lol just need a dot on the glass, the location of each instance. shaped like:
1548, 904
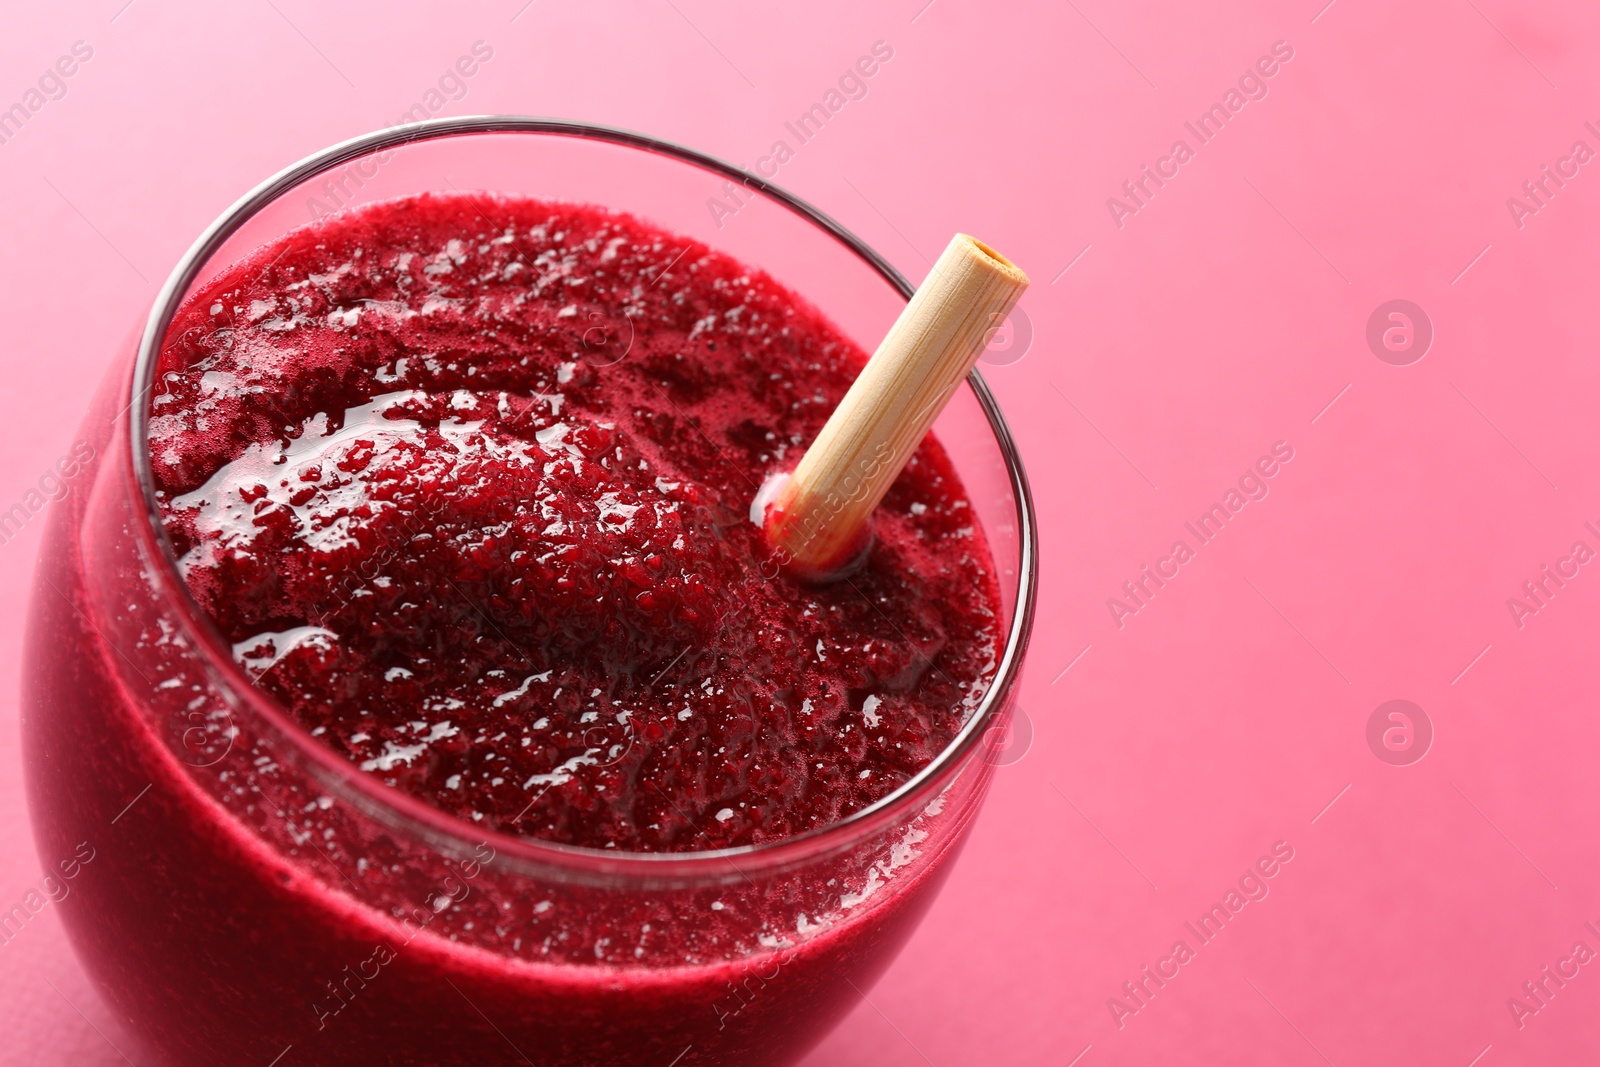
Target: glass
250, 895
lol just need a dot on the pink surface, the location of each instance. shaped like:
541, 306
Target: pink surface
1170, 353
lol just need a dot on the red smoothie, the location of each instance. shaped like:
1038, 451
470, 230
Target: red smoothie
466, 482
527, 588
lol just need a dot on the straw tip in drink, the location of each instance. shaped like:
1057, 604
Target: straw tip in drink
801, 546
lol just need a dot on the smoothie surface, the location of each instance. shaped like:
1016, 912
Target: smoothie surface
466, 480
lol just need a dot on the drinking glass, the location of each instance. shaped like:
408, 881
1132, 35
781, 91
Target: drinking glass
249, 897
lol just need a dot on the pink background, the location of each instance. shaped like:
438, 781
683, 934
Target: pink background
1222, 317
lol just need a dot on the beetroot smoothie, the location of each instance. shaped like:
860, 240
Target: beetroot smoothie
465, 483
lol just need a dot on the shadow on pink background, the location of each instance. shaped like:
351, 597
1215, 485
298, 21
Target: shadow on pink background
1218, 715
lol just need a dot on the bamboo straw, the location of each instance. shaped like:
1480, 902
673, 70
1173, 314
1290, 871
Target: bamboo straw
818, 520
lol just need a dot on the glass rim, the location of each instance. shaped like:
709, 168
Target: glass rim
405, 812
